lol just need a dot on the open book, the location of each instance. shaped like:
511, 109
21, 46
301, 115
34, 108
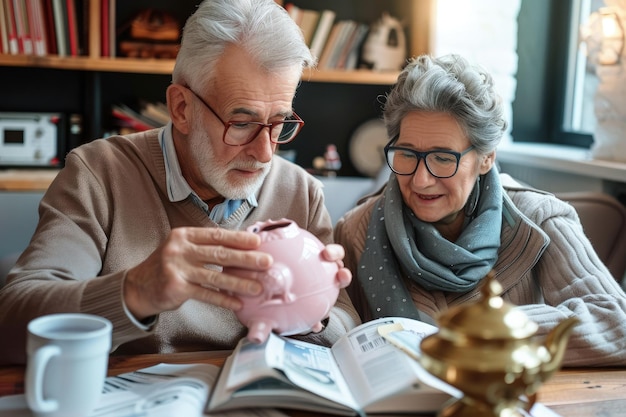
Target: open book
362, 373
369, 370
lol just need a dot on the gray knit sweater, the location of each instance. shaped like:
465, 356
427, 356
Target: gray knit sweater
566, 279
105, 212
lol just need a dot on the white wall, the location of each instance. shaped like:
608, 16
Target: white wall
484, 31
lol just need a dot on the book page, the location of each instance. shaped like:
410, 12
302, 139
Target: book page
362, 372
382, 377
281, 373
249, 363
312, 368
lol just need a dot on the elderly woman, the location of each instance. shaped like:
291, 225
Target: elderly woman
446, 217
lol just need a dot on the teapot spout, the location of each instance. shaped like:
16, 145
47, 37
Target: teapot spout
556, 343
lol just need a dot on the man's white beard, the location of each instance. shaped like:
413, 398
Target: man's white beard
242, 188
216, 173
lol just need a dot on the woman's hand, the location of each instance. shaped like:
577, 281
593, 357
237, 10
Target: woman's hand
335, 253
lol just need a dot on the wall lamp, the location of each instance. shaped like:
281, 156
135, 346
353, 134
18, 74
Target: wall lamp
603, 35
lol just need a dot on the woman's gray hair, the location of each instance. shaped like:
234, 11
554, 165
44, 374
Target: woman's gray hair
262, 27
449, 84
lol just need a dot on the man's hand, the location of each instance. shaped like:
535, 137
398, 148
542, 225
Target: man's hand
188, 265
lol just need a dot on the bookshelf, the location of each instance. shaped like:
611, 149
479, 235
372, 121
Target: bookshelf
90, 84
165, 67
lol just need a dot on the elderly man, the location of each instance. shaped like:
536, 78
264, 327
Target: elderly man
137, 228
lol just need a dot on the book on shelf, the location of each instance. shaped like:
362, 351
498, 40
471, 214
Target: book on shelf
93, 22
105, 30
11, 28
112, 33
294, 12
362, 373
148, 116
337, 41
4, 44
308, 23
126, 117
329, 45
22, 29
37, 24
306, 19
4, 35
60, 27
315, 25
157, 112
324, 25
50, 30
72, 27
349, 56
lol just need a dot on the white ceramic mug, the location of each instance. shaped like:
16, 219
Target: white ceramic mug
68, 355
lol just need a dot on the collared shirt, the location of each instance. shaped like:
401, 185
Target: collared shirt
178, 189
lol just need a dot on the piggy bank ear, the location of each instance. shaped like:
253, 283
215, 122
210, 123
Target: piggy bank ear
277, 284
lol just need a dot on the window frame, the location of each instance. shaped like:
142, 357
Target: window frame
544, 45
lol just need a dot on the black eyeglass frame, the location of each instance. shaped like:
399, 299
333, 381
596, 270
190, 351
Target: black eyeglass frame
260, 126
423, 155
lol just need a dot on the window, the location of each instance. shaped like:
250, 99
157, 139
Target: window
581, 81
554, 97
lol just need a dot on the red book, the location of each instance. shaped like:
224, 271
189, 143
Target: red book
104, 35
72, 27
36, 26
112, 33
48, 17
24, 42
129, 119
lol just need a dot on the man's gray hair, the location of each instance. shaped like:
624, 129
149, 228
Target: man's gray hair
262, 27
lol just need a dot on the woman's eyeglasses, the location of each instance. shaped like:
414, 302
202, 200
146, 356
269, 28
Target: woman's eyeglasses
440, 164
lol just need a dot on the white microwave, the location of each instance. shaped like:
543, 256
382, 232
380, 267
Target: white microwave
30, 139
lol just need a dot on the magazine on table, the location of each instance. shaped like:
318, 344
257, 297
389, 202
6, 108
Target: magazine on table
163, 390
362, 373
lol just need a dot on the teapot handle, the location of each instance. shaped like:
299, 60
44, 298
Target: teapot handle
530, 402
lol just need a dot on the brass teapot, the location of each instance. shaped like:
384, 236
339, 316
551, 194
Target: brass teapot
485, 350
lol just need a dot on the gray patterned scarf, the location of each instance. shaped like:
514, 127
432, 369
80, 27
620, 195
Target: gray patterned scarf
399, 244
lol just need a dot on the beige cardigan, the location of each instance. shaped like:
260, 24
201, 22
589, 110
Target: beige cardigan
567, 279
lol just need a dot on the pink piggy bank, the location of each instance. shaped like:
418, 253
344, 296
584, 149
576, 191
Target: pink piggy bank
299, 289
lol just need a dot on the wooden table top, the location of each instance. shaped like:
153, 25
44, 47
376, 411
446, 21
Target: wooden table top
589, 392
26, 179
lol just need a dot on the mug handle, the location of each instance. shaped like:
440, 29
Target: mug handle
35, 370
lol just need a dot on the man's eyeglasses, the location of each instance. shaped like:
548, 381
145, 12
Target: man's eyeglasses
239, 133
440, 164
